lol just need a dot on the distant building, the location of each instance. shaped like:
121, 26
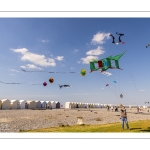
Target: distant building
38, 104
5, 104
53, 103
14, 104
31, 104
43, 104
0, 104
48, 105
23, 104
57, 104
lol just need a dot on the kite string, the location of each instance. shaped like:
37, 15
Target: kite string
110, 89
113, 80
115, 84
133, 81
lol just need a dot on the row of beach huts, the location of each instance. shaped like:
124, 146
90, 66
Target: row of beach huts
71, 105
6, 104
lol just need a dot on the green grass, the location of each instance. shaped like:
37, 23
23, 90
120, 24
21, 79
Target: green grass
135, 126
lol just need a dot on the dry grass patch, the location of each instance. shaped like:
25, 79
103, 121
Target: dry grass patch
98, 119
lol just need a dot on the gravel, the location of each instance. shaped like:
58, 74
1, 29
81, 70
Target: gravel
16, 120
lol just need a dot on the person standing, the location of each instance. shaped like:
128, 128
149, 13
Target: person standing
138, 109
112, 108
124, 118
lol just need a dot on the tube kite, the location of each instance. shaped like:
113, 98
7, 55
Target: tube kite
105, 63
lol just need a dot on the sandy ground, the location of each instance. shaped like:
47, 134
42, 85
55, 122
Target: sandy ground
15, 120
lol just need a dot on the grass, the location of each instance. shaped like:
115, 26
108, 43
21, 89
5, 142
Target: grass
136, 126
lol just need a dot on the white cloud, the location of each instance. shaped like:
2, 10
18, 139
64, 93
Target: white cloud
100, 37
45, 41
97, 51
142, 90
71, 68
37, 59
60, 58
75, 51
14, 70
106, 73
31, 66
23, 67
78, 62
87, 59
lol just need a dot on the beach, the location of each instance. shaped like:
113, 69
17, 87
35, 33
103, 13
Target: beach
19, 120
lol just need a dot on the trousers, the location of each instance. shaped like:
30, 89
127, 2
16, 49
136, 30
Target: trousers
124, 120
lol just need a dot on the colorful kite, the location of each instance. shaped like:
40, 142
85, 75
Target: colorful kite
105, 63
83, 72
44, 83
51, 80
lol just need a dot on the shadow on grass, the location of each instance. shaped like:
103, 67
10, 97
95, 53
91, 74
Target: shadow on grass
135, 128
148, 130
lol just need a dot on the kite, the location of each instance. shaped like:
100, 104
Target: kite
113, 38
119, 40
83, 72
44, 83
105, 63
121, 96
63, 86
51, 80
115, 81
147, 45
47, 71
10, 83
20, 83
107, 84
120, 34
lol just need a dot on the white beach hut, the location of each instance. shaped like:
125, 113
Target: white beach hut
74, 104
84, 105
5, 104
102, 106
48, 105
43, 104
94, 105
98, 105
53, 104
68, 105
77, 104
31, 104
87, 105
23, 104
38, 104
14, 104
0, 104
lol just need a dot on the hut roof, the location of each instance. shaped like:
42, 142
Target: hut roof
3, 100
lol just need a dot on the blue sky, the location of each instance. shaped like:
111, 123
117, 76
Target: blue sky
67, 44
